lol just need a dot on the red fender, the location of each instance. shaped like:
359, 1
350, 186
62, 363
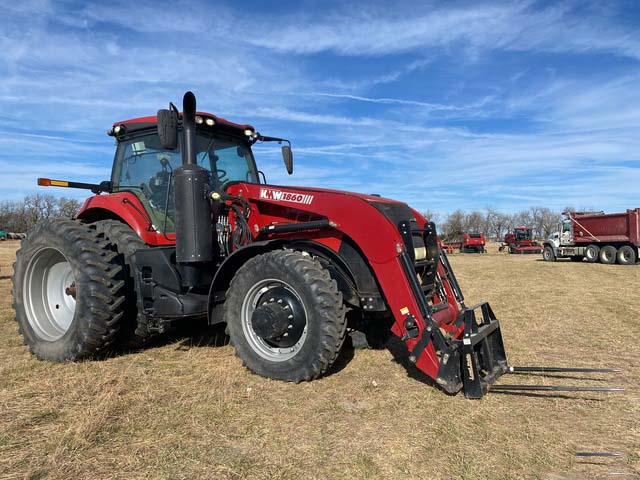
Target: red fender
127, 208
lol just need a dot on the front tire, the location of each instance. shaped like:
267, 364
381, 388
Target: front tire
548, 255
67, 297
608, 254
285, 316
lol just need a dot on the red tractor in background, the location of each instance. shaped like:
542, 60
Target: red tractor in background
185, 228
467, 243
520, 241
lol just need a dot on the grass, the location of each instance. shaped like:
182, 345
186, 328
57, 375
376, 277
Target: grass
185, 408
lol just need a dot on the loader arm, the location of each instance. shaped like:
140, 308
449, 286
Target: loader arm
432, 326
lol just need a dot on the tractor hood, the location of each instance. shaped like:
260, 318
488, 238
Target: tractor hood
392, 209
363, 196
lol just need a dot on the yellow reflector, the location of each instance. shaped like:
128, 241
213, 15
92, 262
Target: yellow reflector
58, 183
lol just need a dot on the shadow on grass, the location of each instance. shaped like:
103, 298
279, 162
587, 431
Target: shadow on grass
400, 355
196, 333
562, 377
550, 396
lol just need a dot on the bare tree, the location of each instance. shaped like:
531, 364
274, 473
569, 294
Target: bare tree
432, 216
23, 216
474, 222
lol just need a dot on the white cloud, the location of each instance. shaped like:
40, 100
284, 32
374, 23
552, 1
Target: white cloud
514, 26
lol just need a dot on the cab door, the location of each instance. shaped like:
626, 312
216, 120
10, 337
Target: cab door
566, 235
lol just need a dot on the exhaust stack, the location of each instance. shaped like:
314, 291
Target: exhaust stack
193, 214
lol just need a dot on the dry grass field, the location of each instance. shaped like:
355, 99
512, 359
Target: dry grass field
185, 408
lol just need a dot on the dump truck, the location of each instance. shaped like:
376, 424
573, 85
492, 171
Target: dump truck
520, 241
3, 235
596, 237
187, 227
467, 243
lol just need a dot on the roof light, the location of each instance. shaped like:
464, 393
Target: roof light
198, 119
210, 122
248, 132
118, 129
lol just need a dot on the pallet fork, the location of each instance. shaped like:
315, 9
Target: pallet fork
482, 360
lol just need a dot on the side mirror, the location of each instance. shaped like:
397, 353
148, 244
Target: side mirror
168, 129
287, 156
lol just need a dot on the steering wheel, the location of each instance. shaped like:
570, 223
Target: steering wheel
221, 174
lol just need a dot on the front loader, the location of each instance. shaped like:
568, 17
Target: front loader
187, 227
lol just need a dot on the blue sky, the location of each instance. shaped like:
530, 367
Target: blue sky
443, 105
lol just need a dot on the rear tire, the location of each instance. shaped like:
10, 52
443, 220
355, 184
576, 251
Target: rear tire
608, 254
627, 255
548, 255
280, 292
67, 295
121, 239
592, 253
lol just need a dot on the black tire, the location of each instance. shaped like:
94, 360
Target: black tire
97, 293
592, 253
323, 313
501, 248
627, 255
121, 239
548, 255
608, 254
512, 249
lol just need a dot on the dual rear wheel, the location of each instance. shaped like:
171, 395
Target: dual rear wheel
625, 255
73, 289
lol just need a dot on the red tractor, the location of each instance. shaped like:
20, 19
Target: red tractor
468, 243
520, 241
187, 228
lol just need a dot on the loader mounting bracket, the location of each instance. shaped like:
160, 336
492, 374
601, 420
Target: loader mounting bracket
478, 357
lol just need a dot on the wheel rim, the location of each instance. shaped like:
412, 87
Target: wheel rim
591, 253
286, 346
626, 256
49, 294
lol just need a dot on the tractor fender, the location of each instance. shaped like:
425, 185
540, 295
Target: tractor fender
352, 274
126, 208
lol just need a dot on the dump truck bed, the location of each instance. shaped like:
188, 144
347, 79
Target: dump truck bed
611, 228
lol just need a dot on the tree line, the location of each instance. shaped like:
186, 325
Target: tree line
22, 215
494, 224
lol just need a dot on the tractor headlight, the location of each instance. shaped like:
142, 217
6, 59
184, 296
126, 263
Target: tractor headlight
210, 122
248, 132
198, 119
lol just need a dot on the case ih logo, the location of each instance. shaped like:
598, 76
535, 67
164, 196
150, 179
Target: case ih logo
279, 195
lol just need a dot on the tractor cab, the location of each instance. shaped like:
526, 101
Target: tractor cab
144, 166
523, 234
